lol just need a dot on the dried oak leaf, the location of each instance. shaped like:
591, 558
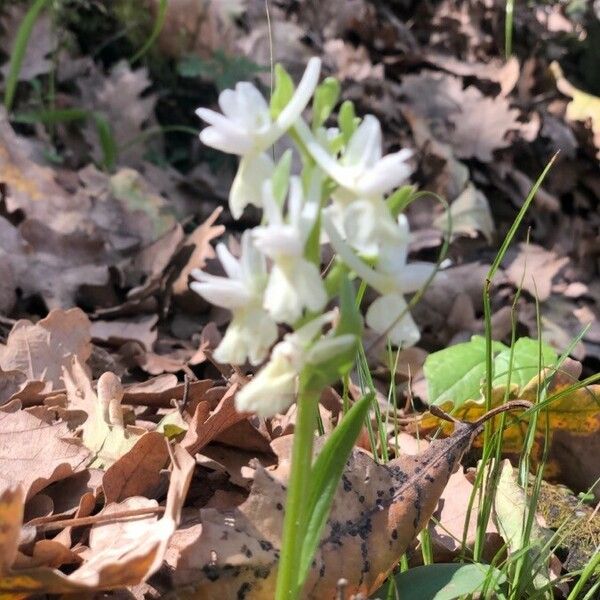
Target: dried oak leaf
103, 432
199, 250
118, 98
482, 125
41, 42
535, 267
377, 511
34, 453
41, 350
121, 553
12, 500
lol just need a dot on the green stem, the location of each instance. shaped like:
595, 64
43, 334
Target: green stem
295, 506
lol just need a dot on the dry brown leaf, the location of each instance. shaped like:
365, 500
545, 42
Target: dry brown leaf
121, 553
118, 98
377, 512
34, 453
482, 125
447, 527
206, 426
535, 267
137, 473
200, 250
41, 350
351, 62
138, 328
41, 42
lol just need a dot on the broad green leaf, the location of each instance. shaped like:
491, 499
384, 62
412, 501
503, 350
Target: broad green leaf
569, 407
325, 478
446, 581
283, 92
525, 362
456, 373
325, 98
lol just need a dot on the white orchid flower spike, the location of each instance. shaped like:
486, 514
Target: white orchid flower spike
361, 171
392, 278
246, 128
295, 283
251, 331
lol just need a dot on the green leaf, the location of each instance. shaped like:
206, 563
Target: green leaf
347, 120
159, 21
283, 92
455, 374
325, 478
525, 363
325, 98
446, 581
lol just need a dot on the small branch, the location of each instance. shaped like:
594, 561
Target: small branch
43, 525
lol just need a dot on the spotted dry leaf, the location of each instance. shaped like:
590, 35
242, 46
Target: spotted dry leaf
377, 512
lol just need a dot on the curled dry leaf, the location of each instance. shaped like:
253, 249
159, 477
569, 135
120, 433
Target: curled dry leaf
121, 553
34, 453
41, 350
377, 512
103, 432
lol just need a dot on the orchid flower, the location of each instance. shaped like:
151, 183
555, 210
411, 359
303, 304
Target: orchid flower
366, 224
361, 170
294, 283
252, 331
247, 129
392, 278
273, 389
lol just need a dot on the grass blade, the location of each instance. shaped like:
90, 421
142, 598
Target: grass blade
18, 51
156, 29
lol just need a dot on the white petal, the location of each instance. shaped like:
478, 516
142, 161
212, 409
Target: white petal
249, 336
252, 262
309, 285
386, 174
278, 241
225, 292
247, 185
414, 276
281, 298
245, 106
302, 95
384, 317
253, 109
231, 142
364, 147
230, 264
272, 389
373, 278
